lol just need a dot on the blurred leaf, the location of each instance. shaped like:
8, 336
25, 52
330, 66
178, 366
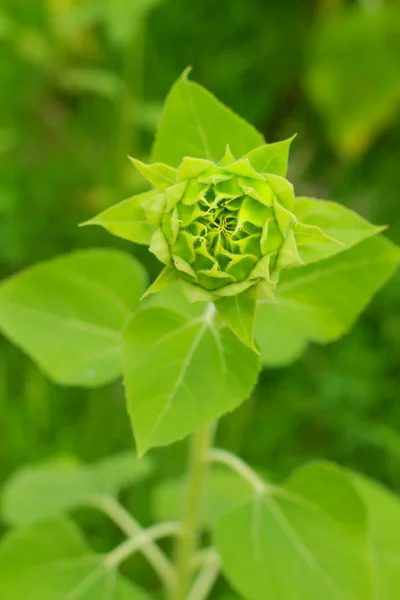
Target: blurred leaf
224, 491
68, 313
123, 18
198, 373
383, 509
280, 335
174, 299
353, 76
7, 26
320, 302
340, 223
304, 541
40, 492
126, 220
90, 80
52, 561
205, 127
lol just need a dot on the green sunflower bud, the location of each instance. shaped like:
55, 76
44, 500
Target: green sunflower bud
224, 228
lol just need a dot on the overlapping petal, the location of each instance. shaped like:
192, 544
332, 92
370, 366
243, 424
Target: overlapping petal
225, 228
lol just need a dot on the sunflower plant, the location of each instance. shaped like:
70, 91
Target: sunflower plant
249, 275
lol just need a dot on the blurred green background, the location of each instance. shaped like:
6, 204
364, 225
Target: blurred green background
82, 84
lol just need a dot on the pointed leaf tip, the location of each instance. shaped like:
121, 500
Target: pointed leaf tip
158, 174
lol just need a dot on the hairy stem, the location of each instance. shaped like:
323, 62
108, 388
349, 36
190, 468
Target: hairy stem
239, 466
139, 542
188, 541
128, 524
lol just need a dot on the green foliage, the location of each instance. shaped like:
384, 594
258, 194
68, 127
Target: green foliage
320, 305
199, 371
61, 83
126, 220
52, 561
356, 56
47, 491
384, 520
307, 539
208, 125
68, 313
223, 492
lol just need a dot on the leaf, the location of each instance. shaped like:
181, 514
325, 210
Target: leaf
51, 561
173, 298
224, 491
194, 123
127, 219
271, 158
321, 301
68, 313
199, 372
44, 491
238, 312
123, 19
338, 222
280, 334
167, 277
159, 175
352, 76
306, 540
383, 508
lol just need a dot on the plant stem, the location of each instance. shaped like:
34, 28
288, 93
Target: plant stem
139, 541
206, 578
237, 464
128, 524
188, 540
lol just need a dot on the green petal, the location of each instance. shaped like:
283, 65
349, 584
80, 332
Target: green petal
271, 158
228, 157
283, 217
203, 258
154, 208
288, 254
193, 167
183, 266
312, 234
175, 194
263, 290
188, 214
171, 226
283, 189
194, 192
229, 189
259, 190
234, 288
254, 212
194, 293
167, 277
243, 168
241, 266
213, 177
159, 247
262, 269
213, 279
184, 246
250, 244
271, 238
159, 174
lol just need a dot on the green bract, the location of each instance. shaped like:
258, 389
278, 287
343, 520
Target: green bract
224, 228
